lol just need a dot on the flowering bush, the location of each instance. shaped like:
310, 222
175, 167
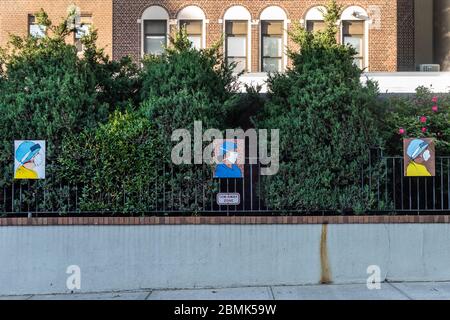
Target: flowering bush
424, 115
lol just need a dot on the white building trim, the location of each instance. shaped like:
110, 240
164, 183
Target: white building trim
314, 14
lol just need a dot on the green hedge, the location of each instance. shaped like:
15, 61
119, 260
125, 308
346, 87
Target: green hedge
326, 126
108, 124
129, 159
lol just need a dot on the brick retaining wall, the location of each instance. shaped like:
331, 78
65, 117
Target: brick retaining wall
223, 220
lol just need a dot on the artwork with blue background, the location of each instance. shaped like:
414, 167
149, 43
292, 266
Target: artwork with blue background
229, 158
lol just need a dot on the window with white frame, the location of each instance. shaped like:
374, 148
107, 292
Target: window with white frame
314, 20
237, 24
273, 39
354, 32
193, 20
34, 29
82, 30
155, 36
154, 26
194, 31
236, 44
272, 46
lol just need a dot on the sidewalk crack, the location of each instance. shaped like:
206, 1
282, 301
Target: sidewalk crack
400, 290
146, 298
271, 293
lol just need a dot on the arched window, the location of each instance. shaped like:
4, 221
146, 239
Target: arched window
273, 39
154, 26
313, 21
237, 25
354, 31
193, 19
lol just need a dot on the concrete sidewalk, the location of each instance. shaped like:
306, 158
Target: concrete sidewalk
388, 291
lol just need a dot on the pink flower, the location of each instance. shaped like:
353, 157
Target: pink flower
424, 129
435, 99
435, 108
423, 119
401, 131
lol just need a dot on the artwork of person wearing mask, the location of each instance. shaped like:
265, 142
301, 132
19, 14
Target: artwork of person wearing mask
28, 156
228, 168
418, 153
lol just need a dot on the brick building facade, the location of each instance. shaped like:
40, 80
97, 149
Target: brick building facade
16, 17
387, 44
391, 35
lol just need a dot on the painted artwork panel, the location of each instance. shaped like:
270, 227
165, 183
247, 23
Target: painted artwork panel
229, 158
419, 157
29, 159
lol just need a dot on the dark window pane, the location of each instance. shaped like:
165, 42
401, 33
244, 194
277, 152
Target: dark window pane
155, 27
272, 27
236, 27
353, 27
193, 27
315, 25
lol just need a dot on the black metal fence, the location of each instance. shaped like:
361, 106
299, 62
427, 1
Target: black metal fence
50, 197
414, 194
393, 194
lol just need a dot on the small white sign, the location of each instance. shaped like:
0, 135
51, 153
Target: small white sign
233, 199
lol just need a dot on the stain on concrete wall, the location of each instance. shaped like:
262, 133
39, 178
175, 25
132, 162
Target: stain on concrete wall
325, 270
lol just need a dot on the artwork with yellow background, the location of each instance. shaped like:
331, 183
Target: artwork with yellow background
419, 157
29, 159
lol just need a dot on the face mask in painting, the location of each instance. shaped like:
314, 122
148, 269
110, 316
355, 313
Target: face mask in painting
233, 157
426, 155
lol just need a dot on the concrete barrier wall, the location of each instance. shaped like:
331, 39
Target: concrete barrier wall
34, 259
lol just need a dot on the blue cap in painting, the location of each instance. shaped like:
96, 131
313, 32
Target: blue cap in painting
228, 146
26, 151
416, 147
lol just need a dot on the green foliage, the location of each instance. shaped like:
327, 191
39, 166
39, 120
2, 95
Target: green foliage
45, 94
117, 82
182, 86
326, 126
115, 164
182, 67
129, 159
49, 91
248, 107
324, 38
186, 85
404, 113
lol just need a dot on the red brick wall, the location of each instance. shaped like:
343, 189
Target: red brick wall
127, 37
14, 16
